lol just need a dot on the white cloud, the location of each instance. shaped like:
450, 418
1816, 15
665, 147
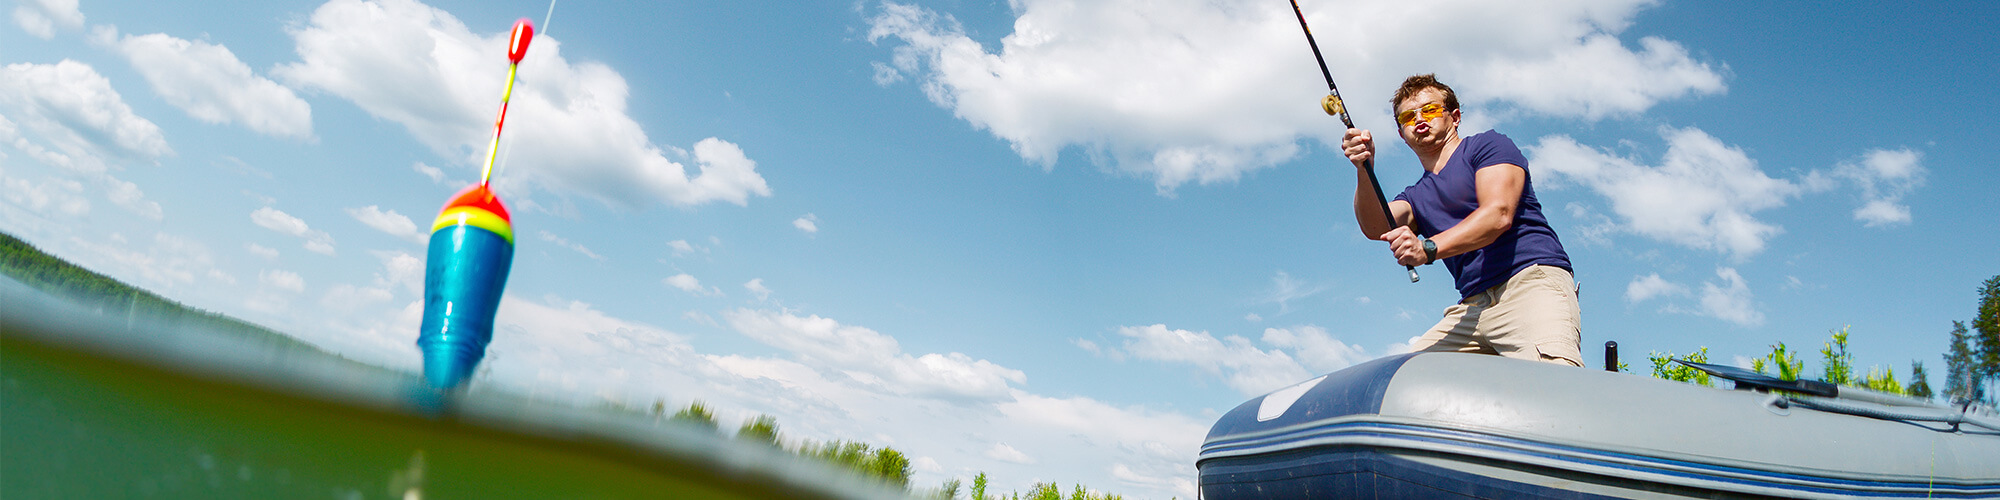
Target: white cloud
756, 287
1648, 287
578, 247
681, 248
388, 222
1731, 300
1243, 366
1703, 195
70, 117
429, 171
1004, 453
419, 66
128, 196
1884, 178
212, 85
688, 283
282, 280
1154, 444
51, 196
83, 121
1113, 78
1316, 349
808, 223
168, 263
267, 253
277, 220
874, 359
41, 17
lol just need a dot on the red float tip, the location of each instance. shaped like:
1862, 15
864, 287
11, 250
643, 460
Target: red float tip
479, 196
517, 46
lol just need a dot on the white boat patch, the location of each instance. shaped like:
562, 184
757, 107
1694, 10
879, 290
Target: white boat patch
1275, 404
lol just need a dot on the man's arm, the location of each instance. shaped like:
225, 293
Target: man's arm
1369, 213
1359, 145
1499, 188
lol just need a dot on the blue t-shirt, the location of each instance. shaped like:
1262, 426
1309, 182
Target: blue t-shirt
1439, 201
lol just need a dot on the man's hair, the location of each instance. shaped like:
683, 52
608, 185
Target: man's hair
1413, 85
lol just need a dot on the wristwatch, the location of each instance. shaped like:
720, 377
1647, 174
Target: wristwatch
1430, 251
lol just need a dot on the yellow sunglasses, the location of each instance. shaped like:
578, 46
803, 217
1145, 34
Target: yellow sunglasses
1429, 111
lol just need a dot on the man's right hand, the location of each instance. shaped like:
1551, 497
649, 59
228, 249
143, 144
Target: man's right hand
1359, 146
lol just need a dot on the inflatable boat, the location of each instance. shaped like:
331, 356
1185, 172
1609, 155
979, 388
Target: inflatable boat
1448, 425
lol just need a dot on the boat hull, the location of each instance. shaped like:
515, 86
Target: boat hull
1441, 425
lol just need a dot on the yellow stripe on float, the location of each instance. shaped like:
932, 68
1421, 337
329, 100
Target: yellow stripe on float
476, 217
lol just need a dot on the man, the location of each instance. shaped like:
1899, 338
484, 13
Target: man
1475, 209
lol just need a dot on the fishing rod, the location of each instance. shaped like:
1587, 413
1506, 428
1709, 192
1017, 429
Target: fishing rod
1334, 106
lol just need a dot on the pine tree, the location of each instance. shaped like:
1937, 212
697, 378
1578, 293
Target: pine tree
1987, 327
1962, 374
1920, 386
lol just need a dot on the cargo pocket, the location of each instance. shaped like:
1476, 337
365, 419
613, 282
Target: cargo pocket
1560, 353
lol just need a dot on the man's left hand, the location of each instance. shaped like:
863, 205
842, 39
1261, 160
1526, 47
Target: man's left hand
1406, 246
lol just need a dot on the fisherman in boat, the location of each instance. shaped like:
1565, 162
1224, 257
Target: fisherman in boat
1475, 209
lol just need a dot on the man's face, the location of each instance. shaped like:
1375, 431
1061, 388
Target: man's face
1422, 120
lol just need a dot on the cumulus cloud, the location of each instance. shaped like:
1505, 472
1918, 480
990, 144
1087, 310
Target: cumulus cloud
82, 121
1730, 299
1884, 177
167, 263
1004, 453
1243, 366
687, 283
267, 253
1318, 350
756, 287
282, 280
284, 223
1703, 194
420, 67
1116, 80
874, 359
41, 17
1648, 287
808, 223
681, 248
48, 197
212, 85
400, 272
70, 117
388, 221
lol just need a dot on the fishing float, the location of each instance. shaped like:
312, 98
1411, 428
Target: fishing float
471, 249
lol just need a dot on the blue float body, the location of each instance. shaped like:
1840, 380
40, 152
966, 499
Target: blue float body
463, 276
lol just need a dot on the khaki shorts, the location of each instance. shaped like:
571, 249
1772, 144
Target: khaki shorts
1533, 316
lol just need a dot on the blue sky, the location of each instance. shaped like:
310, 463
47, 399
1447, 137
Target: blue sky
1048, 240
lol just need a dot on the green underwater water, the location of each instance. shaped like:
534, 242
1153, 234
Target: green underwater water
75, 426
91, 407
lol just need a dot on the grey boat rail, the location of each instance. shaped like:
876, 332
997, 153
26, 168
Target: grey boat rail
1830, 398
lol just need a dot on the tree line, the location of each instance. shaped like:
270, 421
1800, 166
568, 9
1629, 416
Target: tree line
141, 310
883, 464
1972, 360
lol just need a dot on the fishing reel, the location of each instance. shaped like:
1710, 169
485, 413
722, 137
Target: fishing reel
1331, 103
